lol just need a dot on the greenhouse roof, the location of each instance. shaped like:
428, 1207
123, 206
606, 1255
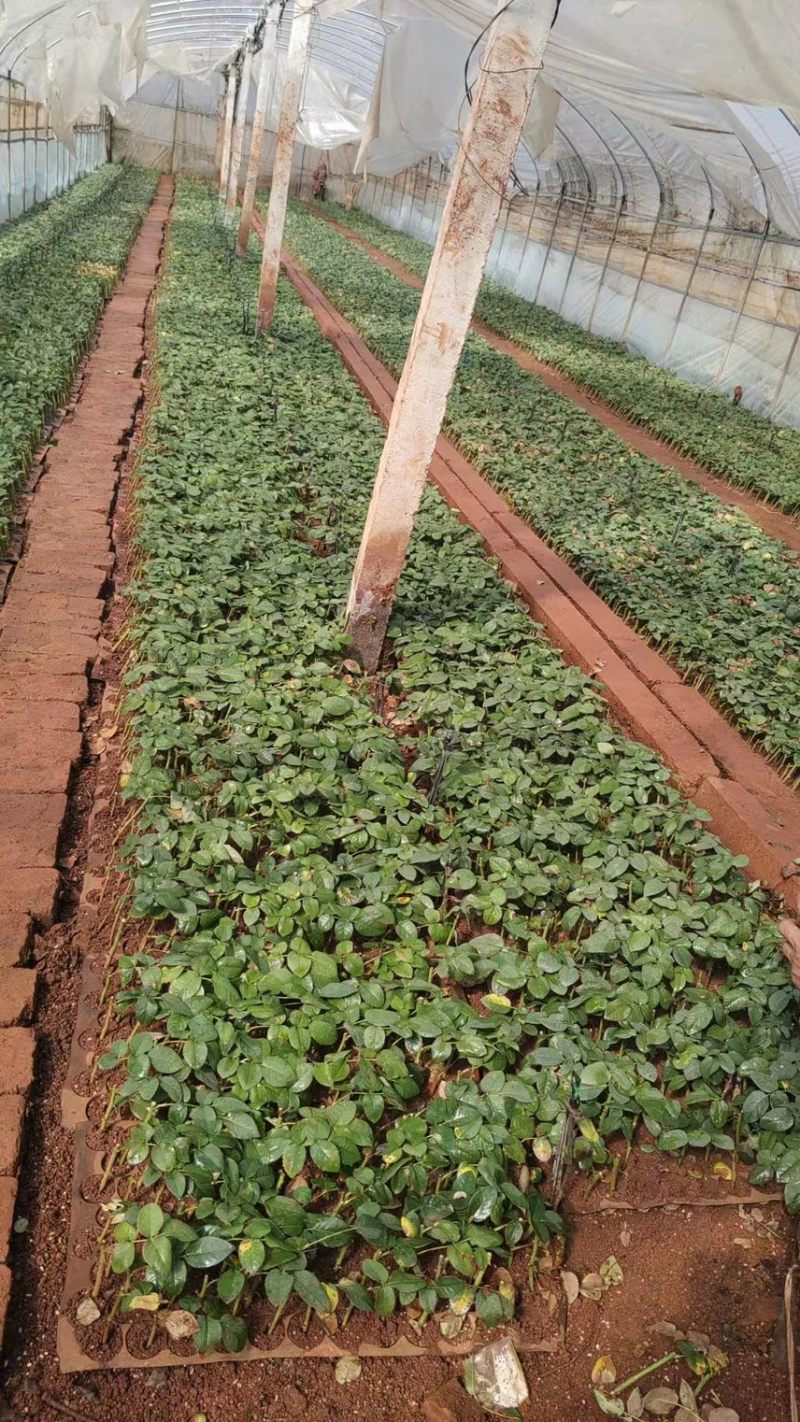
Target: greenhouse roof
665, 105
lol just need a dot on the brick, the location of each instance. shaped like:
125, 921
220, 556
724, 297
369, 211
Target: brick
451, 1403
8, 1199
43, 641
16, 930
738, 758
633, 649
637, 710
26, 679
17, 992
35, 758
86, 584
744, 824
29, 828
16, 1059
5, 1296
17, 714
29, 891
12, 1119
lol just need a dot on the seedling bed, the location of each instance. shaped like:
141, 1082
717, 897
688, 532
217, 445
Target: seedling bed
475, 731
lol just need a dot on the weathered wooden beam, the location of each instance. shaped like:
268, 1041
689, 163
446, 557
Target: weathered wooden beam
510, 64
237, 142
227, 131
266, 72
282, 165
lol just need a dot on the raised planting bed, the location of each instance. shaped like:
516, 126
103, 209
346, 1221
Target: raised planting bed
57, 268
388, 938
707, 586
730, 440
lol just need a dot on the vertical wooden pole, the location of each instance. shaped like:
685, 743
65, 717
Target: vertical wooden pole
237, 141
227, 131
511, 61
269, 41
282, 165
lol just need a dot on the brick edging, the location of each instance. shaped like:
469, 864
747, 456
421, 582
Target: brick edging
50, 627
753, 810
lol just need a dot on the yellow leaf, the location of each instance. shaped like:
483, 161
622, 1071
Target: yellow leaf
409, 1228
724, 1170
148, 1302
589, 1132
604, 1373
496, 999
462, 1303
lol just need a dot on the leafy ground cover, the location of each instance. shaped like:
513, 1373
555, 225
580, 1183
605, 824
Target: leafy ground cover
401, 930
703, 582
57, 268
24, 240
729, 440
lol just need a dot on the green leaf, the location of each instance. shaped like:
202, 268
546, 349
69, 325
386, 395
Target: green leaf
150, 1220
207, 1251
309, 1288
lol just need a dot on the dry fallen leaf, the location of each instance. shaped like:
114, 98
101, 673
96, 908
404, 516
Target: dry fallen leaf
687, 1396
723, 1414
570, 1284
700, 1340
180, 1323
635, 1405
347, 1370
660, 1401
604, 1373
592, 1287
625, 1237
147, 1302
666, 1330
611, 1272
87, 1312
451, 1325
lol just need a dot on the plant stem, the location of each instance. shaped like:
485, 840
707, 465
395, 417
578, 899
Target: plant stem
636, 1377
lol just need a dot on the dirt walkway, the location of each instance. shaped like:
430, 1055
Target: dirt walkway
776, 524
50, 648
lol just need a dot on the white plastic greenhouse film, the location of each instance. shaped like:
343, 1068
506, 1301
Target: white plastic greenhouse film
695, 348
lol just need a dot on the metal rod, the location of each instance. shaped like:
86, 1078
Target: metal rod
606, 260
742, 304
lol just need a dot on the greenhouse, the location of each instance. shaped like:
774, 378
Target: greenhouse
399, 710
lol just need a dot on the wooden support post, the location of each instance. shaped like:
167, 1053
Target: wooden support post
269, 41
227, 130
237, 142
511, 61
282, 165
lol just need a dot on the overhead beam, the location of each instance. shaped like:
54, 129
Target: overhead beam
502, 96
227, 130
237, 142
282, 165
269, 44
